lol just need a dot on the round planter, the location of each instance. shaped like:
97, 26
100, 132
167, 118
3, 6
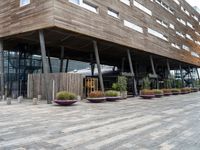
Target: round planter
112, 99
147, 96
65, 102
96, 100
158, 95
184, 92
167, 94
175, 93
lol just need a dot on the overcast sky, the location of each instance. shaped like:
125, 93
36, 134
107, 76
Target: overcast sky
194, 2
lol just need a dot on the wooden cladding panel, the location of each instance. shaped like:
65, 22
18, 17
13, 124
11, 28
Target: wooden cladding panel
70, 17
102, 26
15, 19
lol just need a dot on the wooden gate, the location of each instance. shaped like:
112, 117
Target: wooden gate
91, 84
70, 82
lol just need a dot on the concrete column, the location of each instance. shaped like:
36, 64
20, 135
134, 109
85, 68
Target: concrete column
132, 72
152, 65
168, 68
191, 76
96, 51
2, 67
45, 64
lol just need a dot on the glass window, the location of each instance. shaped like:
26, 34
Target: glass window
24, 2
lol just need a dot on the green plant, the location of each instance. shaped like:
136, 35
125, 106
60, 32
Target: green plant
147, 92
122, 83
156, 91
175, 90
115, 86
96, 94
168, 83
111, 93
146, 83
178, 83
63, 95
167, 91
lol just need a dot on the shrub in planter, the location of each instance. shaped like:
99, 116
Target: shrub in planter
185, 90
175, 91
65, 98
167, 92
96, 97
158, 93
147, 94
195, 89
121, 86
112, 95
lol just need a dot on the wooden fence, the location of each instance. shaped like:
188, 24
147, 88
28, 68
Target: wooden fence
56, 82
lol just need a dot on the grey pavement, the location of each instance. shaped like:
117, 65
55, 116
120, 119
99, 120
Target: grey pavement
169, 123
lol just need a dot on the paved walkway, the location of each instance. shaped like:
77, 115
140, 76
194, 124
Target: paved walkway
135, 124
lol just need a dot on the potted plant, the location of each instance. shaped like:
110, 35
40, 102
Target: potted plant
64, 98
185, 90
121, 86
158, 93
175, 91
96, 97
167, 92
195, 89
147, 94
112, 95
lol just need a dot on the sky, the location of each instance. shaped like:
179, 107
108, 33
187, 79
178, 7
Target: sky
194, 2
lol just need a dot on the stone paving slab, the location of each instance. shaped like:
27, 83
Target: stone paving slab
169, 123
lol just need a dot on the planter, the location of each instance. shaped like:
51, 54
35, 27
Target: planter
158, 95
124, 94
96, 100
147, 96
175, 93
167, 94
112, 99
65, 102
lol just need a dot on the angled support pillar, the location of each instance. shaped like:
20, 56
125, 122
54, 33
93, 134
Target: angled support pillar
45, 64
2, 67
61, 58
154, 71
96, 51
132, 72
67, 65
123, 62
181, 73
168, 68
191, 76
92, 65
152, 65
198, 74
49, 60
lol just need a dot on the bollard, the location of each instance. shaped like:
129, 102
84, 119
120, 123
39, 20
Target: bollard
8, 101
3, 97
35, 101
39, 97
20, 99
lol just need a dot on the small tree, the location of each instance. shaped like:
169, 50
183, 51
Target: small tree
146, 83
122, 83
168, 83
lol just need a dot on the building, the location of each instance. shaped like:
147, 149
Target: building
137, 36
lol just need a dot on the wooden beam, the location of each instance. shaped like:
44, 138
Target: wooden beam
132, 72
96, 51
61, 58
45, 64
2, 67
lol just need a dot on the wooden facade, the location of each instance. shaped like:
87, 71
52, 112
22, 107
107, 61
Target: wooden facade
73, 27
